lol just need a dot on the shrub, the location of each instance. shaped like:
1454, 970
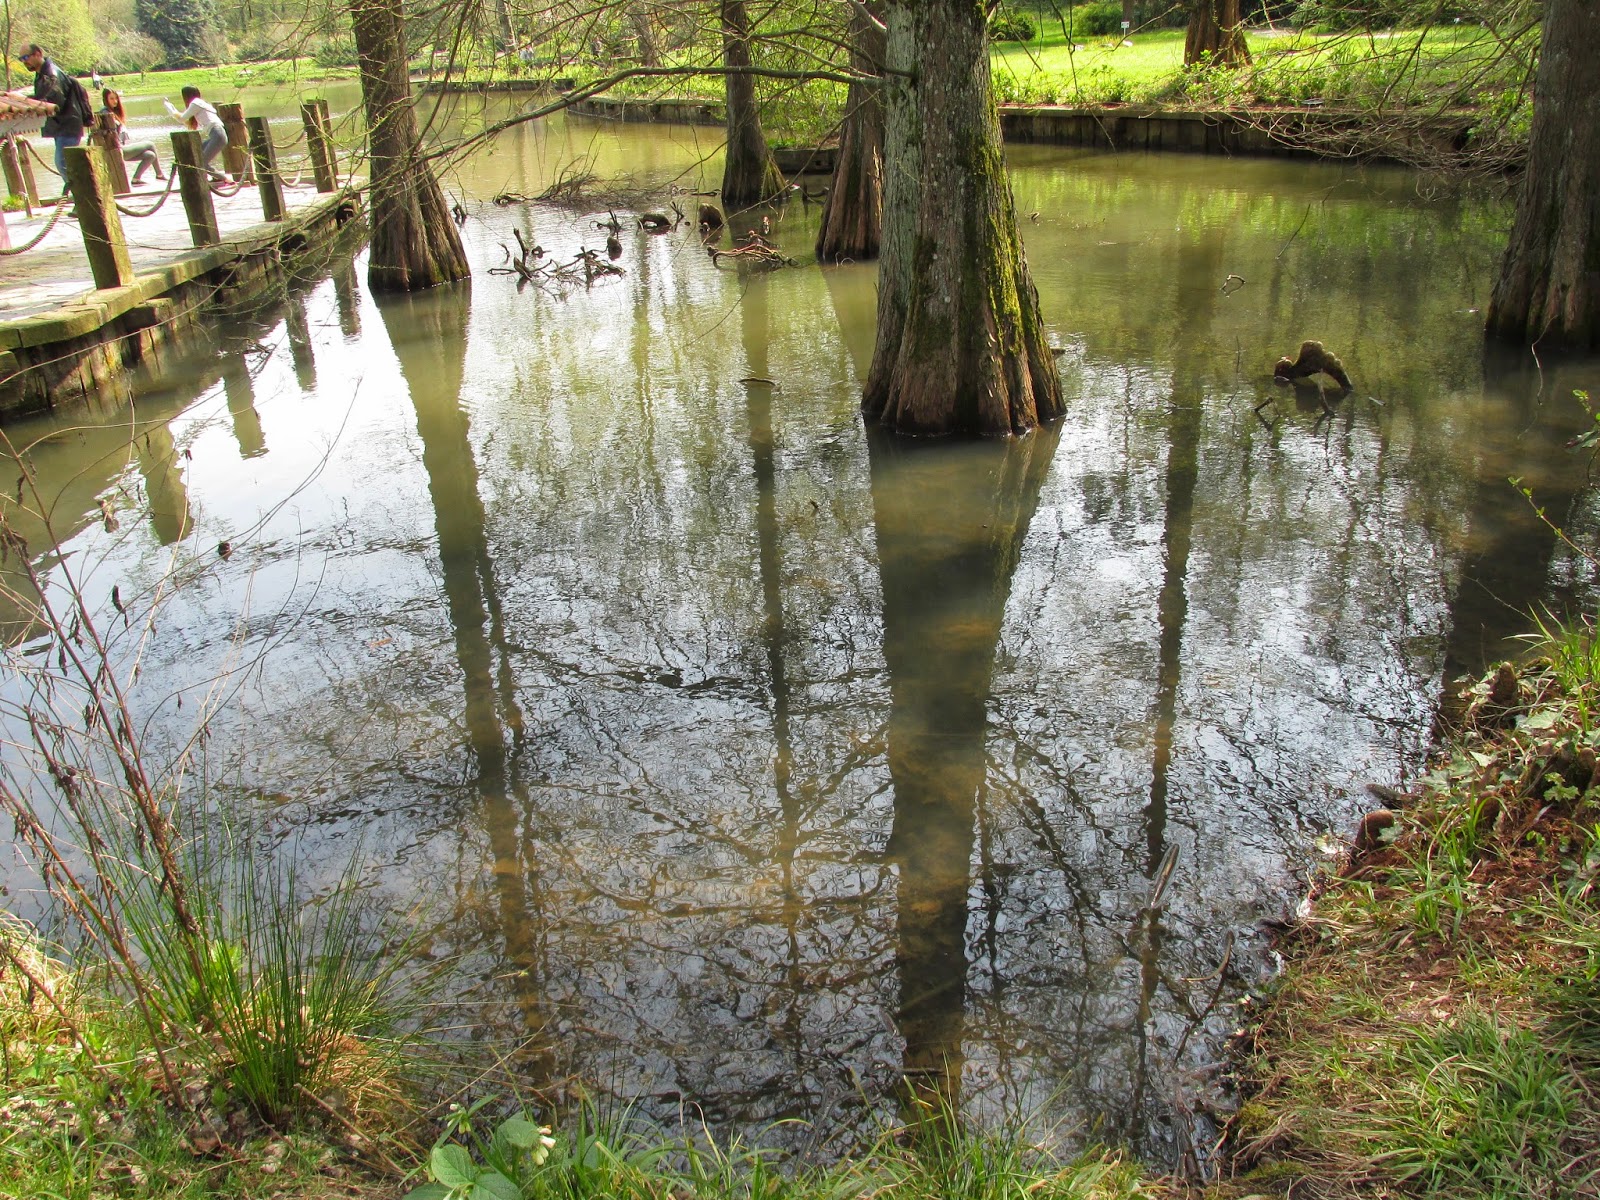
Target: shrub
1097, 20
1012, 27
279, 40
337, 51
126, 51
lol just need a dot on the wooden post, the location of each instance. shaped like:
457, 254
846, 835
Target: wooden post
19, 172
237, 155
319, 142
96, 204
265, 155
195, 184
28, 181
106, 137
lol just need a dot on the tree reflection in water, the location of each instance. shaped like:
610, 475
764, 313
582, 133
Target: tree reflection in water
950, 518
429, 334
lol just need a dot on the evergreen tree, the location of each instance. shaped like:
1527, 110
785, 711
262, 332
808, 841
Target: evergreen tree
181, 26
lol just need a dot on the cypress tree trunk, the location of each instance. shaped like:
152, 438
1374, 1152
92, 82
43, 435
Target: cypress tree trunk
645, 35
960, 347
1549, 286
505, 35
852, 214
1216, 29
414, 241
749, 172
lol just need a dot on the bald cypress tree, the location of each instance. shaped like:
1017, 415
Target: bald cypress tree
961, 346
1548, 291
414, 242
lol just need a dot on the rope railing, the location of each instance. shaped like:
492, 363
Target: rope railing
172, 179
61, 207
34, 150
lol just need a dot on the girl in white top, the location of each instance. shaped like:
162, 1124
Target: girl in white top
202, 117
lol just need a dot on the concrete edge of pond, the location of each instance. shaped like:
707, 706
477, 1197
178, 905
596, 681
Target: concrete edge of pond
79, 352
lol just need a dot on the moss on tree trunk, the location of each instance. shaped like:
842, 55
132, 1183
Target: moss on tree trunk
961, 348
1550, 276
749, 172
414, 241
852, 214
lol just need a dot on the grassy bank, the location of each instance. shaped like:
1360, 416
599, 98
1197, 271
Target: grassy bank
1286, 68
85, 1114
1436, 1031
221, 82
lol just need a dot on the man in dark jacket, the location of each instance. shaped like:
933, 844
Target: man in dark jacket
64, 125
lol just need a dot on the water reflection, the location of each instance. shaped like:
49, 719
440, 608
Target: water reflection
775, 636
166, 496
429, 335
239, 387
1506, 569
760, 764
950, 520
345, 291
299, 331
1194, 299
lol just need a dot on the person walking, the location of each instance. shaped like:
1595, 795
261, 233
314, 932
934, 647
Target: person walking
200, 116
70, 110
143, 153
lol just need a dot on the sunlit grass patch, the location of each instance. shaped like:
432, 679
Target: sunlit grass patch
618, 1156
1437, 1029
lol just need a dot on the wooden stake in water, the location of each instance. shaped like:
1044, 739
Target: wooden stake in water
106, 135
19, 172
319, 141
237, 155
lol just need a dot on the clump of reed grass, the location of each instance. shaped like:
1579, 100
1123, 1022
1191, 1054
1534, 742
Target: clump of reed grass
38, 992
241, 989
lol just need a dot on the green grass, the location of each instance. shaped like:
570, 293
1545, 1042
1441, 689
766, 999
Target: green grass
84, 1112
223, 81
620, 1158
1437, 1029
1286, 69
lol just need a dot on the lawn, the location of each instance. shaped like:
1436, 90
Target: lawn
1466, 63
221, 81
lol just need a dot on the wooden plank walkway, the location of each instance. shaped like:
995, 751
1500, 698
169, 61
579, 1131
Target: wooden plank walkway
56, 272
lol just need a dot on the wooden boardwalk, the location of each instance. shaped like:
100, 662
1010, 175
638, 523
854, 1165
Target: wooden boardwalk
56, 272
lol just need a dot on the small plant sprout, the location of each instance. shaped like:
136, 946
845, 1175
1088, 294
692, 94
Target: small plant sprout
500, 1169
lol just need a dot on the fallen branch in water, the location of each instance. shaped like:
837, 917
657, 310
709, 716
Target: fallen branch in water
757, 252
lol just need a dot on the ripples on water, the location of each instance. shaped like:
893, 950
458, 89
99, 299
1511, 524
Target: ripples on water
751, 759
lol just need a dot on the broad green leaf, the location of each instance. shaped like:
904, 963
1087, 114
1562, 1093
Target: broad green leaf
519, 1132
496, 1186
1545, 718
428, 1191
452, 1166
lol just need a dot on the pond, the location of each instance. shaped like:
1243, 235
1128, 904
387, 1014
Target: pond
747, 762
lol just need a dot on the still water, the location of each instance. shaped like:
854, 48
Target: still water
749, 760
